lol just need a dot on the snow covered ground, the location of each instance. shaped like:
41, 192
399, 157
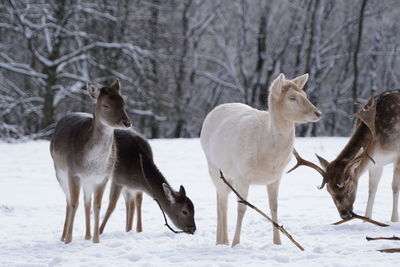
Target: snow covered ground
32, 207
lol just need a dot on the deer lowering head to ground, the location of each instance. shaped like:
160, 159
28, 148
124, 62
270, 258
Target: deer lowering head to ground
83, 151
135, 172
251, 146
374, 143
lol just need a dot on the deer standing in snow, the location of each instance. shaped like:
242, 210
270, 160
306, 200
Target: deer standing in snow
135, 172
251, 146
374, 143
83, 152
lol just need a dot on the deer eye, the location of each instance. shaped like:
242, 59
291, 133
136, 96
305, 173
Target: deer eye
106, 106
292, 98
184, 212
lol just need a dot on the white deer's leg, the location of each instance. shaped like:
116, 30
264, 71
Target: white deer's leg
87, 197
222, 220
115, 192
139, 199
395, 188
375, 174
98, 196
273, 206
241, 210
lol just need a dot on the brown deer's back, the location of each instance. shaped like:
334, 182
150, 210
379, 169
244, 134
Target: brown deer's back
387, 121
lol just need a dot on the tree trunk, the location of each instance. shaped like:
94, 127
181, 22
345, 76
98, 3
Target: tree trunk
355, 55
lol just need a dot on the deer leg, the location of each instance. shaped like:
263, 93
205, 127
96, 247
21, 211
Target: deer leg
115, 192
375, 174
395, 188
87, 196
222, 205
131, 213
139, 199
129, 201
98, 196
67, 210
273, 206
222, 220
74, 189
241, 210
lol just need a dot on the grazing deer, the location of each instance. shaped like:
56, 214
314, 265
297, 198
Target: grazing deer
374, 143
251, 146
83, 151
135, 172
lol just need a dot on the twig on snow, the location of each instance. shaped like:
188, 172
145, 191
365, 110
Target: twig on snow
382, 238
363, 218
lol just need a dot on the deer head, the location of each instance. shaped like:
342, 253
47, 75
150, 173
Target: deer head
340, 176
291, 101
179, 208
109, 106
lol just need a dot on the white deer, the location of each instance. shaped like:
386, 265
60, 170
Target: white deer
251, 146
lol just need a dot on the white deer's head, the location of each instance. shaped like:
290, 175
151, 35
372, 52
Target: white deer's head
289, 99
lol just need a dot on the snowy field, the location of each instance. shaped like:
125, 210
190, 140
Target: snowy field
32, 207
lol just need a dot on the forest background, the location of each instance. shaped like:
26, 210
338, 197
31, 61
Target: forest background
176, 60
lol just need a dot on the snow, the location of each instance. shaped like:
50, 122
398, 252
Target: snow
32, 207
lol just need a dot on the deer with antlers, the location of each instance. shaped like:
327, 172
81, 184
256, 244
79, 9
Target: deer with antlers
375, 142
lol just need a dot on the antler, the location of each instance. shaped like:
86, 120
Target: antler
367, 115
363, 155
304, 162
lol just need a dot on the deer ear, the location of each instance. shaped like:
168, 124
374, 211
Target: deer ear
168, 193
93, 91
301, 80
324, 163
182, 191
116, 85
277, 85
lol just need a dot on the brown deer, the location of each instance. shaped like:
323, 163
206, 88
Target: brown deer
84, 152
135, 172
374, 143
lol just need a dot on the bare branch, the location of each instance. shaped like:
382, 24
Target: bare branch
363, 218
275, 224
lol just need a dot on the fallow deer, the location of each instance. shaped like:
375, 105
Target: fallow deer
83, 152
251, 146
374, 143
135, 172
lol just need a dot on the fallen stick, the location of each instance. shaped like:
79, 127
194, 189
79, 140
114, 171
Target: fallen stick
366, 219
389, 250
275, 224
382, 238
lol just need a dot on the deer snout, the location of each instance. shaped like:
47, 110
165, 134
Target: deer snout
126, 123
345, 214
315, 115
190, 229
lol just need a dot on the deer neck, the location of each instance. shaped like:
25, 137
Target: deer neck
278, 124
101, 137
360, 138
153, 184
